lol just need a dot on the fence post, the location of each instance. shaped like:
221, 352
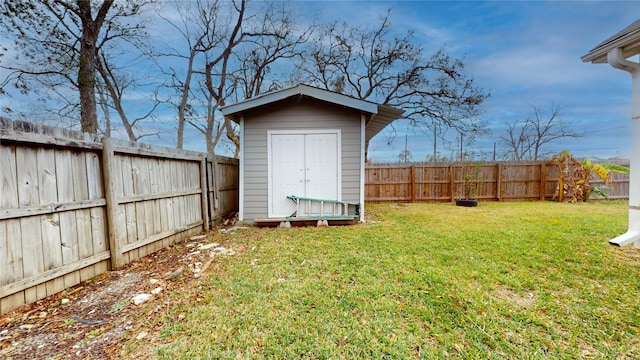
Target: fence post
111, 198
543, 181
452, 182
499, 183
204, 192
412, 185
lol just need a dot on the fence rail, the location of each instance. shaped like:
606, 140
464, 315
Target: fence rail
73, 206
498, 181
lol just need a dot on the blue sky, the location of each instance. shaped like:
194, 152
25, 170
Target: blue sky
525, 53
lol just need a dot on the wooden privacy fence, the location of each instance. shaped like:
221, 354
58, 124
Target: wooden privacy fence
497, 181
73, 206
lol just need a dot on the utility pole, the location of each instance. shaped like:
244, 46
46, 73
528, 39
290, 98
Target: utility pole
461, 138
405, 148
435, 156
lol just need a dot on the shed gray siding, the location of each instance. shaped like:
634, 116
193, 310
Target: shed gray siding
296, 114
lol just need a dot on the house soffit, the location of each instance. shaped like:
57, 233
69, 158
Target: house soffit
627, 39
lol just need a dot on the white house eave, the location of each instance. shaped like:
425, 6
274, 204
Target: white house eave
628, 40
301, 89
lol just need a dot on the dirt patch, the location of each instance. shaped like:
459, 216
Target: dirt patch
523, 300
95, 319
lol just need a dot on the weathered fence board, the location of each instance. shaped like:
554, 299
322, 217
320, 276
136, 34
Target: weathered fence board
73, 206
443, 182
223, 179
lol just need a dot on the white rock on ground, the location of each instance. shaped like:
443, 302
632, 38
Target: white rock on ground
140, 298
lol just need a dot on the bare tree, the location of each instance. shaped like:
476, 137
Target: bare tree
218, 67
231, 51
116, 85
275, 39
212, 127
211, 31
197, 25
373, 64
59, 41
526, 137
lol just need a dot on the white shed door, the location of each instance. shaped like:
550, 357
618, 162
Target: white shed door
302, 165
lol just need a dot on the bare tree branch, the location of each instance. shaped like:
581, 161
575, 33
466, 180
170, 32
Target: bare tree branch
526, 138
372, 64
60, 40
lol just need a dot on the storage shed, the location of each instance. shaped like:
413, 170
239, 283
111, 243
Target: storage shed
302, 153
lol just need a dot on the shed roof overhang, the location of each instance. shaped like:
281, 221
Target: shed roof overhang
378, 116
627, 39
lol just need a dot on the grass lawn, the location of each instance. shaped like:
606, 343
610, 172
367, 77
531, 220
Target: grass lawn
504, 280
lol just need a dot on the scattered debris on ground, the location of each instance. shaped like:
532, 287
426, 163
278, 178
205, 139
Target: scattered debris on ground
95, 319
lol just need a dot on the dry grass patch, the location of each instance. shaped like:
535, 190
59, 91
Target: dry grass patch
523, 300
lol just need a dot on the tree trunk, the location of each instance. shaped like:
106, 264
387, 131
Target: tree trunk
116, 98
184, 101
86, 80
181, 120
231, 135
87, 62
